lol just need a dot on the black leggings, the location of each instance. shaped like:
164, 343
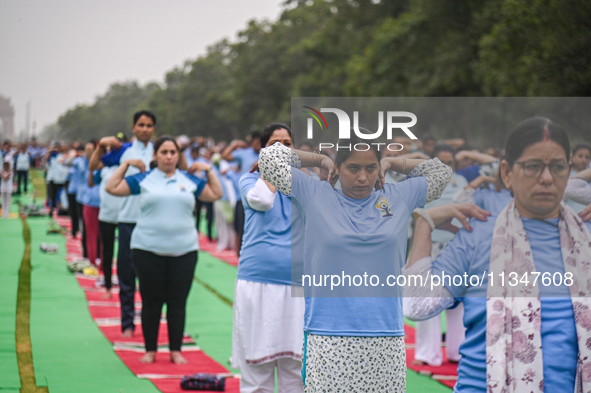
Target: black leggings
208, 216
164, 280
53, 189
73, 210
108, 238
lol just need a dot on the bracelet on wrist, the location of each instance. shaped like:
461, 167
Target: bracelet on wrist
422, 213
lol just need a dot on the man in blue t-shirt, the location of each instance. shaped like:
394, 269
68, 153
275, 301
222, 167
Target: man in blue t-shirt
141, 150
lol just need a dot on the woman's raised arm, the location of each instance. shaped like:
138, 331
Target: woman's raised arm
276, 161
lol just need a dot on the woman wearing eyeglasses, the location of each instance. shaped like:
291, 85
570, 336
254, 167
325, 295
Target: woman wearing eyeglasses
520, 336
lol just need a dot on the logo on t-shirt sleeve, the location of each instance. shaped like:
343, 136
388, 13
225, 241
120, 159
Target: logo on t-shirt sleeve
382, 205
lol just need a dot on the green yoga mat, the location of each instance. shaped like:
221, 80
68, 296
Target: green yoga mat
12, 248
217, 274
70, 354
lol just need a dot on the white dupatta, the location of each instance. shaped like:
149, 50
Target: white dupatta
513, 338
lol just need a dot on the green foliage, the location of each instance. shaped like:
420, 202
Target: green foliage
358, 48
111, 113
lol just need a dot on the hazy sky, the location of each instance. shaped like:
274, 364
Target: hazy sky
60, 53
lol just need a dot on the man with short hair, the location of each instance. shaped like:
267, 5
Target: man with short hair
141, 150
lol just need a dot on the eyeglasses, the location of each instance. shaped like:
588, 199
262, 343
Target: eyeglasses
534, 168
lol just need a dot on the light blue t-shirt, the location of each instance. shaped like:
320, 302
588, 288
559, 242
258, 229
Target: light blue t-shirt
110, 204
130, 210
76, 175
56, 171
91, 196
23, 161
455, 185
350, 237
246, 158
80, 164
577, 207
265, 255
491, 200
470, 252
165, 225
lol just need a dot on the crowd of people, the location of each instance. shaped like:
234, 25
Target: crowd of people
435, 207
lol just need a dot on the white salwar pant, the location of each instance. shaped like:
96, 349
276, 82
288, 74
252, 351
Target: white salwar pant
267, 335
225, 229
6, 199
428, 337
428, 333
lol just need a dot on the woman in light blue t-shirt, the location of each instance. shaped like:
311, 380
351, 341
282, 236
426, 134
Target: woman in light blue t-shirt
522, 275
267, 335
164, 241
355, 239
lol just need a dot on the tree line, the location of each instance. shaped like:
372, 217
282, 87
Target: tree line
357, 48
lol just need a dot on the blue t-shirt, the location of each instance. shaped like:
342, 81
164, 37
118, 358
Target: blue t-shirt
235, 179
491, 200
110, 204
76, 175
455, 185
470, 172
91, 196
56, 171
470, 252
577, 207
80, 164
130, 210
246, 158
265, 255
165, 225
350, 237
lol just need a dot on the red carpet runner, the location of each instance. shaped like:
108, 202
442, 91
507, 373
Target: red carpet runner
106, 313
446, 374
165, 375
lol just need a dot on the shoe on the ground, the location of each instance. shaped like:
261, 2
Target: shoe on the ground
90, 271
78, 266
50, 248
100, 282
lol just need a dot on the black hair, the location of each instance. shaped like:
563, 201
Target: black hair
428, 137
343, 154
158, 144
581, 146
255, 135
270, 129
306, 144
137, 115
531, 131
443, 147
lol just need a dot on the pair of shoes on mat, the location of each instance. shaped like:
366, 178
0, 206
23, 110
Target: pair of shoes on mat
50, 248
79, 266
